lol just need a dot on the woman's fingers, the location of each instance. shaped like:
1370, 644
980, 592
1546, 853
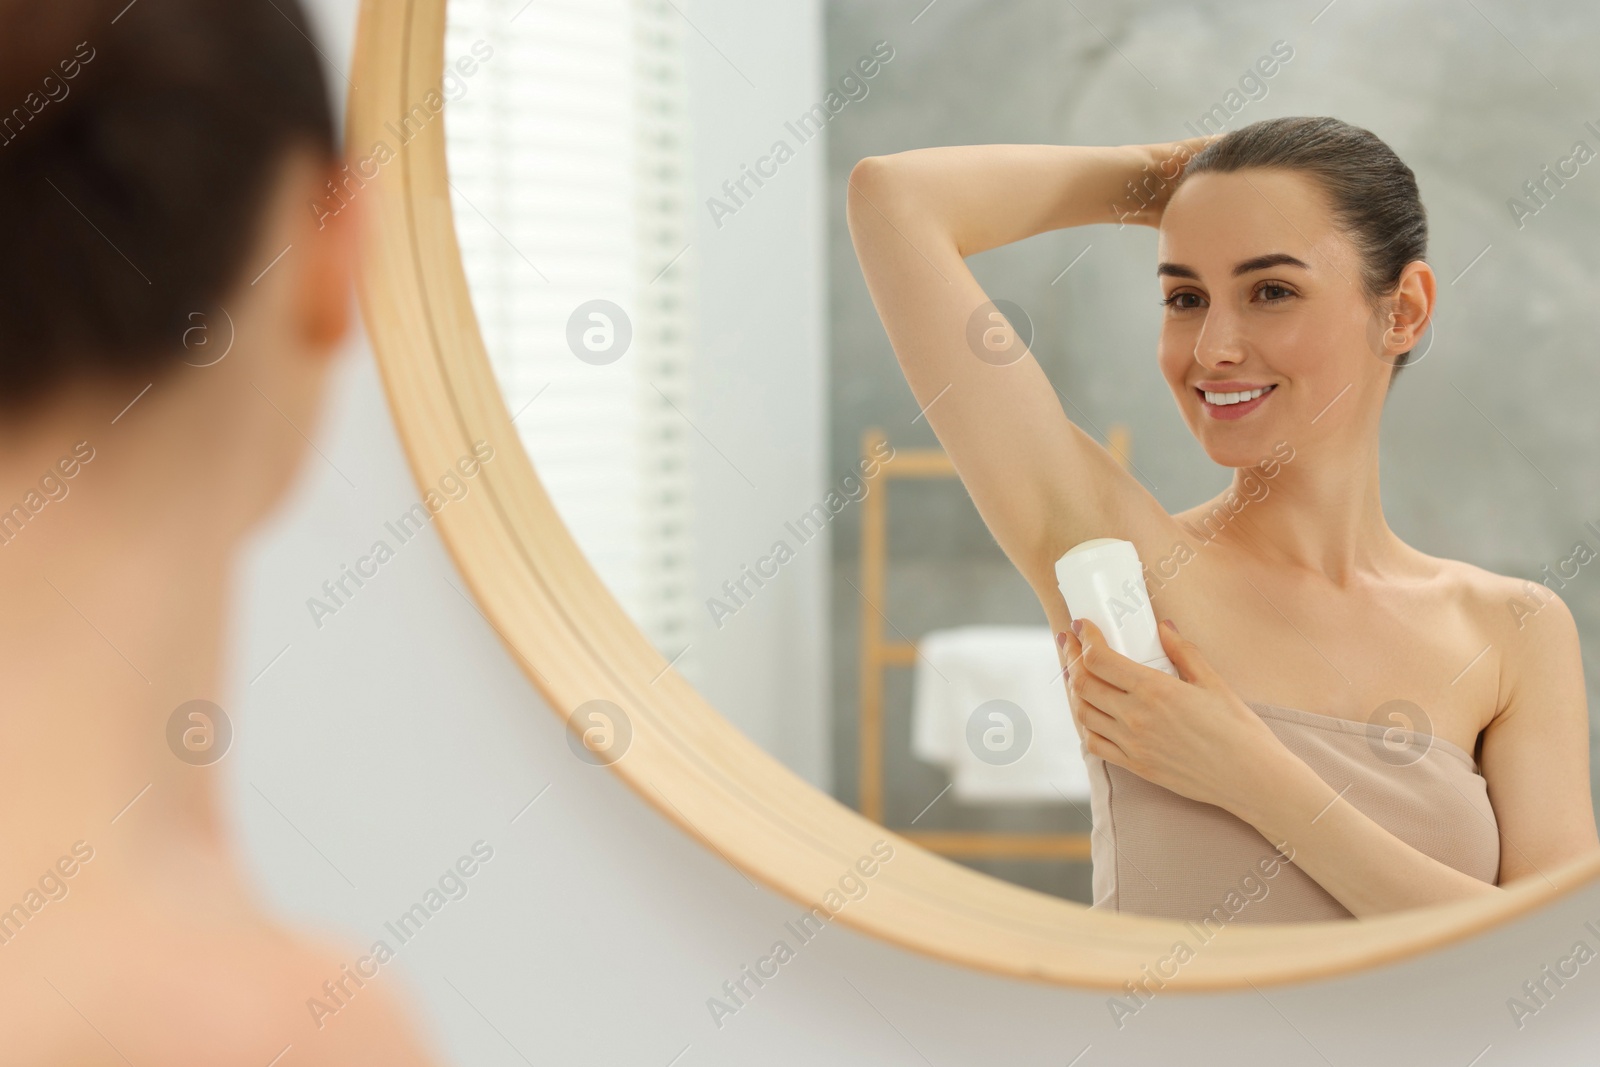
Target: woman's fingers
1071, 649
1102, 747
1100, 659
1095, 726
1096, 721
1089, 697
1107, 699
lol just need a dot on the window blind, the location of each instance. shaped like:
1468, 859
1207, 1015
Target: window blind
569, 166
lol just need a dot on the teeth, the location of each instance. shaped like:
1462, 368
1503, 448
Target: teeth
1233, 398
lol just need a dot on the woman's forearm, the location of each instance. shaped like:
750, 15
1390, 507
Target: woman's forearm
984, 196
1362, 865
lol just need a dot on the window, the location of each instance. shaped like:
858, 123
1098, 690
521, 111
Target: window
569, 156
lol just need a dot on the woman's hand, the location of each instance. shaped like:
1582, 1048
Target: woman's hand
1167, 160
1194, 736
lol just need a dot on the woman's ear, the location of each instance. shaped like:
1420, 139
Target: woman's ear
1411, 307
331, 246
1401, 319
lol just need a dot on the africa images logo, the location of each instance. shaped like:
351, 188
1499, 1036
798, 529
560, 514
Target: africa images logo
341, 590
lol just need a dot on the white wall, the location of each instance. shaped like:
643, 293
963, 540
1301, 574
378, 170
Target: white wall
761, 375
401, 732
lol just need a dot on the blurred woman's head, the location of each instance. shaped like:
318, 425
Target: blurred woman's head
1292, 263
158, 166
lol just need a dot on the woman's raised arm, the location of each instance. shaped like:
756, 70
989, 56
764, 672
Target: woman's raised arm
1040, 483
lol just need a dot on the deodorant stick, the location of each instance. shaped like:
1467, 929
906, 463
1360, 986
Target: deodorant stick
1102, 580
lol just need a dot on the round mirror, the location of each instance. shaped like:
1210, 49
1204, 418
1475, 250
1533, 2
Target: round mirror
723, 526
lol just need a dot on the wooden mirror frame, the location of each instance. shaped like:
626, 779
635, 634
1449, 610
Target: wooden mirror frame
577, 644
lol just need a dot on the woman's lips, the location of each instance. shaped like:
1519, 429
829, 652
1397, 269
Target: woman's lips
1229, 412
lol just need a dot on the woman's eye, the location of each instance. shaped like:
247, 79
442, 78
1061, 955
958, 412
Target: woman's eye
1270, 292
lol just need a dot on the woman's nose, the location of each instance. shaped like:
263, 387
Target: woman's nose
1220, 341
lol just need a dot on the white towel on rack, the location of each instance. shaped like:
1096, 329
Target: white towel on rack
960, 669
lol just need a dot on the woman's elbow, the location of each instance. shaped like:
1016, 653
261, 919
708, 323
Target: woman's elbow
874, 188
868, 171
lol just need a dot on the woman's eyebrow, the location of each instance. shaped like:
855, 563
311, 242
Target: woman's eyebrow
1271, 259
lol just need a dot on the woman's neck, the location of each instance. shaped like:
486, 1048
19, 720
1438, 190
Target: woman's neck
115, 598
1319, 512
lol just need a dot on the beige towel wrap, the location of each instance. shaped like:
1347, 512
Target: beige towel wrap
1161, 854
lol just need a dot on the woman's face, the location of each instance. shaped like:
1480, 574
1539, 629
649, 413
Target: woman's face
1264, 292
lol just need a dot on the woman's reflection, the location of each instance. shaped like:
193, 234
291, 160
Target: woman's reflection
1416, 730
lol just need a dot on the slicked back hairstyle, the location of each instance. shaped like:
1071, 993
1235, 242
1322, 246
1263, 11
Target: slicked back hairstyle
1373, 193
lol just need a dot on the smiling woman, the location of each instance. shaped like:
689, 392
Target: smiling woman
536, 579
1292, 255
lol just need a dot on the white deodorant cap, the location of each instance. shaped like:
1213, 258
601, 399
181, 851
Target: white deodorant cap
1102, 580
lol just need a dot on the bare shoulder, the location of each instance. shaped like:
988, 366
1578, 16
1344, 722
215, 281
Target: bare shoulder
348, 1006
207, 993
1508, 608
1526, 624
1534, 750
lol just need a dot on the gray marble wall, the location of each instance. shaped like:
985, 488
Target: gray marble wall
1490, 445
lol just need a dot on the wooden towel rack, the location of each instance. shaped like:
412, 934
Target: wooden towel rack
878, 654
